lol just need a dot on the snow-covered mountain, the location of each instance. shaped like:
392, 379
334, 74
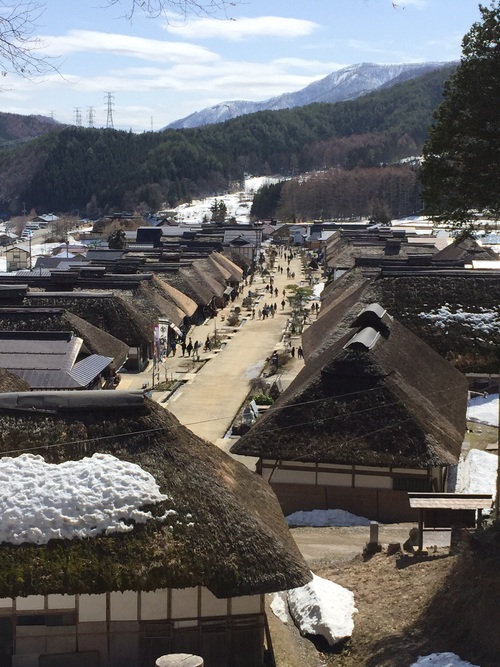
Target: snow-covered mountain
344, 84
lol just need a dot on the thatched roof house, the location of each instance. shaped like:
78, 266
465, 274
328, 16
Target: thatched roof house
378, 405
236, 272
11, 382
96, 341
108, 312
219, 532
456, 313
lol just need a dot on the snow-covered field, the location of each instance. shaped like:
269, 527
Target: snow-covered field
483, 409
40, 501
238, 204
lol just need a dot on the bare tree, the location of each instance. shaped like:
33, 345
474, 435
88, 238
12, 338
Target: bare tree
154, 8
18, 44
20, 47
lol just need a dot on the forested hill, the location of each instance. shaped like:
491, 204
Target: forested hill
101, 168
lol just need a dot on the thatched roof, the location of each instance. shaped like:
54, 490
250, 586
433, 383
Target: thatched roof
235, 271
209, 274
190, 283
186, 305
152, 303
11, 382
239, 543
111, 314
469, 340
389, 402
240, 260
57, 319
464, 251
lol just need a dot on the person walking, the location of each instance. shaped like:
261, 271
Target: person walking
196, 350
189, 347
283, 303
292, 352
183, 346
300, 353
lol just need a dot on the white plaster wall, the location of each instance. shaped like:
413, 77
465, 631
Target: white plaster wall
293, 477
31, 603
61, 602
92, 608
184, 602
212, 606
248, 604
6, 603
372, 482
123, 606
154, 605
334, 479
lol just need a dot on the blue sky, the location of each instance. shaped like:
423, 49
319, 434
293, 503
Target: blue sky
160, 70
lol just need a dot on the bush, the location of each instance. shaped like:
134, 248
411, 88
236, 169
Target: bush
263, 399
233, 320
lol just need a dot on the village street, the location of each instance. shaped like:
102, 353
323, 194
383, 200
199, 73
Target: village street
211, 398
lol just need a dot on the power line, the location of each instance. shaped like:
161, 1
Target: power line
90, 116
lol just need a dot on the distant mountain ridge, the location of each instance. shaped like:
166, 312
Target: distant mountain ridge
345, 84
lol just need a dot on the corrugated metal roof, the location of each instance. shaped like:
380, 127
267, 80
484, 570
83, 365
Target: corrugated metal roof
88, 369
451, 501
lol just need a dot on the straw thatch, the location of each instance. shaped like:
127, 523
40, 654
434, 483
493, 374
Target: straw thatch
244, 263
190, 284
409, 298
397, 404
464, 252
186, 305
208, 273
239, 543
11, 382
111, 314
42, 319
235, 271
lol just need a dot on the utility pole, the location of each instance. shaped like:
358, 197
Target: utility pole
109, 117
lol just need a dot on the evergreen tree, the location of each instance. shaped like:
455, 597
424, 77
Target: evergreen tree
116, 240
460, 174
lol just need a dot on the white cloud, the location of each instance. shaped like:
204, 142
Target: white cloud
237, 30
418, 4
78, 41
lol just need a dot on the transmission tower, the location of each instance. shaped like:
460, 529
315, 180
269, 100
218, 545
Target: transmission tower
109, 117
90, 116
78, 116
52, 113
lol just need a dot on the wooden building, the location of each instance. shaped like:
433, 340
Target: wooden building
191, 579
374, 415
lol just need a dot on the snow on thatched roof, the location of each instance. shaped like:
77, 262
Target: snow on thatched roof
377, 398
227, 533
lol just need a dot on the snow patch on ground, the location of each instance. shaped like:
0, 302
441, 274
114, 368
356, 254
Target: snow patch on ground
40, 501
483, 409
477, 473
321, 518
441, 660
323, 608
279, 606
